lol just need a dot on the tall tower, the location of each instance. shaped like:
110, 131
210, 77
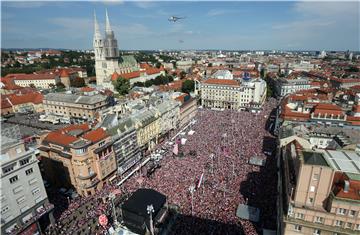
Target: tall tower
106, 54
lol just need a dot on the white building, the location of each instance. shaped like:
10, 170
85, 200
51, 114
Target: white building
287, 86
232, 94
23, 196
223, 74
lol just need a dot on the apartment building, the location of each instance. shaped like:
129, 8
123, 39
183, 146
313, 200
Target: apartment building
319, 191
126, 148
287, 86
79, 107
188, 109
20, 103
148, 128
232, 94
78, 157
169, 114
23, 197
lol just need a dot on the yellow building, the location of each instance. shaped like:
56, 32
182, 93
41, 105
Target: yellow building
147, 125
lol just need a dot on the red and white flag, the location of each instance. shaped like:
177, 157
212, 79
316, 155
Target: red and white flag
200, 180
176, 149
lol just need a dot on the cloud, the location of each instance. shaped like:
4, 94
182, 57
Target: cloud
303, 24
29, 4
329, 9
113, 2
219, 12
145, 4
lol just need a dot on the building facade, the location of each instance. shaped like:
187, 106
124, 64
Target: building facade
23, 197
78, 157
232, 94
80, 107
126, 148
319, 191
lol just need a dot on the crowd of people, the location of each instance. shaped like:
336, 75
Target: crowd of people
218, 153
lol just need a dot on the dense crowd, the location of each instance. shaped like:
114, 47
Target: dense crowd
219, 149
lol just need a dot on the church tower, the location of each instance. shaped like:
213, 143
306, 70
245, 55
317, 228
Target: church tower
106, 54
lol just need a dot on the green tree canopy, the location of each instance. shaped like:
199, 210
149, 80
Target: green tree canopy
77, 82
188, 86
122, 85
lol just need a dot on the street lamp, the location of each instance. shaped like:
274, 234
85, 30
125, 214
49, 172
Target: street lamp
150, 210
192, 190
112, 197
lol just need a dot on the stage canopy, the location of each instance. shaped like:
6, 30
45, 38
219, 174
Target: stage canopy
248, 212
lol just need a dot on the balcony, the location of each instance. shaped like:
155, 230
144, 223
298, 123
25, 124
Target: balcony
83, 177
91, 184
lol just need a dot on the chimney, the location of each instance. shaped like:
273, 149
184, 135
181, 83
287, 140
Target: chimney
346, 186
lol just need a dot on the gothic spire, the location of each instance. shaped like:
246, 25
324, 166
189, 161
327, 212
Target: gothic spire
108, 29
97, 34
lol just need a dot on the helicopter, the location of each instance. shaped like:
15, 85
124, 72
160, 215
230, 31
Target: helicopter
175, 18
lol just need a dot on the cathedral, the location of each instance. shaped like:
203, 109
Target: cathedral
107, 56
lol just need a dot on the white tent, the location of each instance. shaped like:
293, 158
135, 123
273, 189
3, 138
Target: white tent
183, 141
191, 132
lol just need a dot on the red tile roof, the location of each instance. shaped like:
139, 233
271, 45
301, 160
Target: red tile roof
87, 89
31, 76
16, 99
59, 138
114, 76
64, 73
95, 135
130, 75
84, 127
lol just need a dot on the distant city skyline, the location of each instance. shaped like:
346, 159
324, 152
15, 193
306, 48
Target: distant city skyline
208, 25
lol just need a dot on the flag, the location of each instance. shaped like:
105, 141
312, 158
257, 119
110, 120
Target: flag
200, 180
176, 149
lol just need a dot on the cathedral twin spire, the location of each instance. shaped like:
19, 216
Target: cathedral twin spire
108, 30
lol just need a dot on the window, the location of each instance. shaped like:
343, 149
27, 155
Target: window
348, 225
299, 216
312, 188
311, 200
7, 169
297, 228
352, 212
13, 179
317, 232
20, 200
24, 161
319, 219
357, 227
339, 223
29, 171
4, 209
35, 191
341, 211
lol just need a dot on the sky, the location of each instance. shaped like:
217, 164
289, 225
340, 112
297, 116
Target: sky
240, 25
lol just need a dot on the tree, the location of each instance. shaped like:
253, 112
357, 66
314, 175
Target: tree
209, 64
148, 83
122, 85
32, 85
139, 84
188, 86
77, 82
158, 65
182, 74
60, 85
